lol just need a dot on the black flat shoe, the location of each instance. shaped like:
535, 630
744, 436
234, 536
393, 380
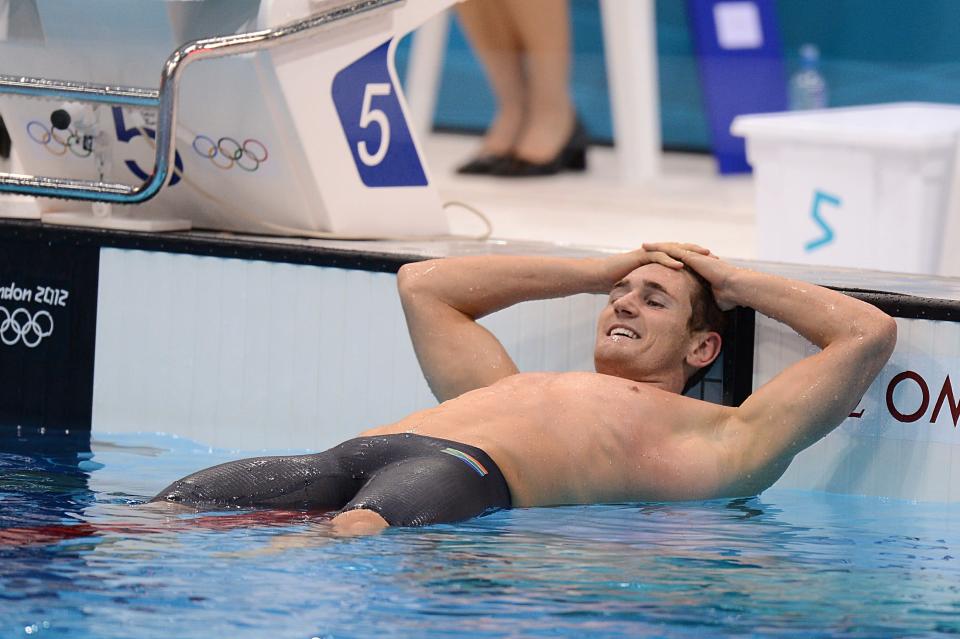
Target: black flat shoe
572, 157
4, 141
483, 164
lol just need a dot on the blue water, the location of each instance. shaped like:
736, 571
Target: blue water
783, 564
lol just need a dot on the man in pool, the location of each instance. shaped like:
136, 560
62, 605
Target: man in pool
503, 439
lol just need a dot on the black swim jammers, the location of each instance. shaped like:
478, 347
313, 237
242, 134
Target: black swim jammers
409, 480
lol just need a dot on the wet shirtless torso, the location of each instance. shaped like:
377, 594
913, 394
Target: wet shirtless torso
566, 438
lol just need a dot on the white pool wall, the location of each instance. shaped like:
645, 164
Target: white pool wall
878, 453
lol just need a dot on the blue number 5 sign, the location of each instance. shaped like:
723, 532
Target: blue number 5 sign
374, 123
820, 198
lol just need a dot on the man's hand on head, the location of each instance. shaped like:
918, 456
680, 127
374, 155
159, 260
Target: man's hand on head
718, 273
616, 267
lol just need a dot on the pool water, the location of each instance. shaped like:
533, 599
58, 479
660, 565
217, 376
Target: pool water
78, 559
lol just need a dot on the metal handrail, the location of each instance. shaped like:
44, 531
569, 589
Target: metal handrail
165, 100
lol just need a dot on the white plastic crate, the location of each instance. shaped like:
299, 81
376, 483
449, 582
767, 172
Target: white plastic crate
864, 187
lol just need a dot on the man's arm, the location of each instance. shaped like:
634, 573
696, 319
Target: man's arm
812, 397
442, 299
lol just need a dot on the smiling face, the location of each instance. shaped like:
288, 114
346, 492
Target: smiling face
643, 332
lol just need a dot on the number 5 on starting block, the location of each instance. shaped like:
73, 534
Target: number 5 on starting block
374, 123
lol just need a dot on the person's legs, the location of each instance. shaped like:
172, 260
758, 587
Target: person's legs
543, 27
398, 480
496, 44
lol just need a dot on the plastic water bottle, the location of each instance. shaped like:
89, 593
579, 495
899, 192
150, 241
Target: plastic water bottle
808, 89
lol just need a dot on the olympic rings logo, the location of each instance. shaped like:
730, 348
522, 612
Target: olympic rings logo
21, 326
53, 141
226, 152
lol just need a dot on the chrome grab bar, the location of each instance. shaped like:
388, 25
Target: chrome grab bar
165, 100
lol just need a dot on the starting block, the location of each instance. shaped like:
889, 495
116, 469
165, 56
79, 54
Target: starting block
304, 137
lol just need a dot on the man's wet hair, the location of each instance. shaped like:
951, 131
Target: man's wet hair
705, 315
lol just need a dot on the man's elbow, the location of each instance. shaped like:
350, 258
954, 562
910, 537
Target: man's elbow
872, 338
883, 335
410, 276
889, 334
404, 275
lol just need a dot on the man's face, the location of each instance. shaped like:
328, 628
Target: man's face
643, 330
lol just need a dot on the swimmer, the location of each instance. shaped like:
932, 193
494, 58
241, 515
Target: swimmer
501, 438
